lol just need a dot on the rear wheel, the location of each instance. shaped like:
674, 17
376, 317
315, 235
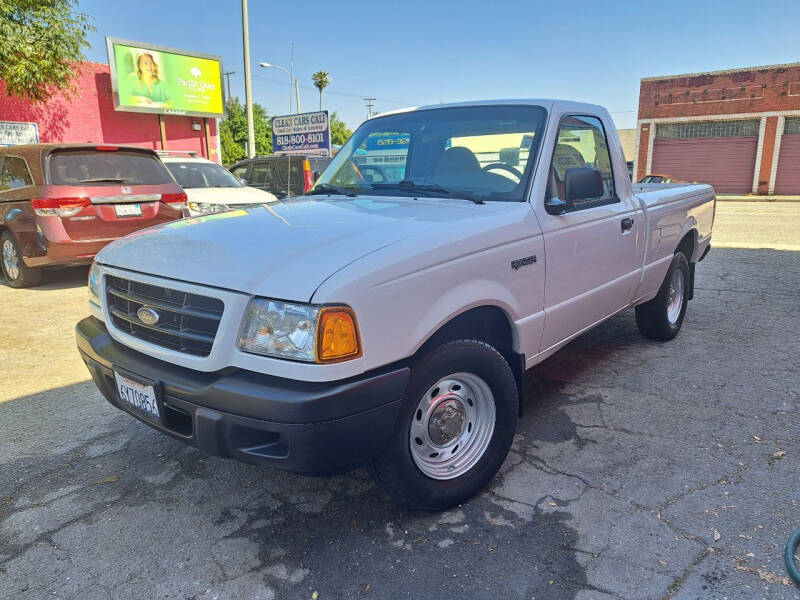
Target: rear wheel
661, 318
16, 272
454, 430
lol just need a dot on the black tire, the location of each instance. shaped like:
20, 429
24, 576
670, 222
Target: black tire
652, 317
25, 276
395, 470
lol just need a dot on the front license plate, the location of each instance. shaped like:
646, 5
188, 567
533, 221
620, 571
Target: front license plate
139, 396
128, 210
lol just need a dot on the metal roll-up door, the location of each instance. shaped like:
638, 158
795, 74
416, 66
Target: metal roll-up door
787, 179
722, 153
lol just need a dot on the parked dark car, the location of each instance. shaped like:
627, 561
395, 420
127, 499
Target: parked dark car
284, 176
61, 203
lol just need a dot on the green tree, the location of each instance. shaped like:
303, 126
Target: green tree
41, 42
321, 80
233, 131
340, 133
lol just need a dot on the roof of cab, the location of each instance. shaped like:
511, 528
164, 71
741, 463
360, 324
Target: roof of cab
547, 103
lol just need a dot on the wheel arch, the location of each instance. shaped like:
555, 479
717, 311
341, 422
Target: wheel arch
487, 322
688, 240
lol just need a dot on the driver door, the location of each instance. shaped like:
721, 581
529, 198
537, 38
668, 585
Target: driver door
593, 257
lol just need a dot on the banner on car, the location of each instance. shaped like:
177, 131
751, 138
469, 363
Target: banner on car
304, 133
147, 78
13, 133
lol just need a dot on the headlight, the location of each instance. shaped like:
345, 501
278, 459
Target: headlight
205, 208
95, 291
300, 331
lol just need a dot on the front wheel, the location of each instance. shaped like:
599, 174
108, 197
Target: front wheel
661, 318
454, 429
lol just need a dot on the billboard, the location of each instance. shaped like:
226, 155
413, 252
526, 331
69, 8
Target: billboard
17, 132
304, 133
155, 79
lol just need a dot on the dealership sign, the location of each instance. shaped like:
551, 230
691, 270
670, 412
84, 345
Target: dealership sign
15, 132
156, 79
306, 133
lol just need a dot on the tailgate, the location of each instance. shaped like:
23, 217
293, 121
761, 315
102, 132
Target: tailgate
114, 191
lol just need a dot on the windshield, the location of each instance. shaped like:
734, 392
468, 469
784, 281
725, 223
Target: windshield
476, 152
202, 175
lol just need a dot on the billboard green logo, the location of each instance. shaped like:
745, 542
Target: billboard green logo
156, 79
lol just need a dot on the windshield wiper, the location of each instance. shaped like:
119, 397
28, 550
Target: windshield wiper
102, 180
327, 188
433, 188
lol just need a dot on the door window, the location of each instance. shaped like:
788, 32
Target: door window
240, 171
15, 174
258, 174
581, 143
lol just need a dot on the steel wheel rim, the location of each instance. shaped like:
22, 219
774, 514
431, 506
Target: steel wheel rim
675, 297
452, 426
10, 260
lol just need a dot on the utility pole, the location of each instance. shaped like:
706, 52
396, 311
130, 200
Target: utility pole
369, 102
248, 91
228, 77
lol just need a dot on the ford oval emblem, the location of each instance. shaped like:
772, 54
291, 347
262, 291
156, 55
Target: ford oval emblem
147, 315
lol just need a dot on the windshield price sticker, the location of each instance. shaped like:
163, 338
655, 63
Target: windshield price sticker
305, 133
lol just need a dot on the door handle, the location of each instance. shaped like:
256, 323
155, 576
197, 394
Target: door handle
627, 224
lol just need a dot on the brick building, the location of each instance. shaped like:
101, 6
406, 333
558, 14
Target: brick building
737, 129
89, 116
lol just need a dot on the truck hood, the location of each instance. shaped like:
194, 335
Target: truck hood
286, 250
229, 195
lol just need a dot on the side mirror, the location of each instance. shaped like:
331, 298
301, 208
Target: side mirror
583, 183
243, 180
316, 175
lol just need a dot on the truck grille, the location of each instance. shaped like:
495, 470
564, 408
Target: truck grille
186, 322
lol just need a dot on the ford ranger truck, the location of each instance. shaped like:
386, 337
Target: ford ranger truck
387, 317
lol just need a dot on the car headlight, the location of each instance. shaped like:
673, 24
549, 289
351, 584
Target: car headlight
95, 290
300, 331
205, 208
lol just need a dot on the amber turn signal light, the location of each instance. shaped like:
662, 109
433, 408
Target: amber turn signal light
337, 335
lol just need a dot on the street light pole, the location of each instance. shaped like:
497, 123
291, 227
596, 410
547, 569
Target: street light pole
248, 92
292, 84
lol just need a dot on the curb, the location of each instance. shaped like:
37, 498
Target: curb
728, 198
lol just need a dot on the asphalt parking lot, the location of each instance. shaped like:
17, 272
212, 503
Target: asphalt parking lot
640, 470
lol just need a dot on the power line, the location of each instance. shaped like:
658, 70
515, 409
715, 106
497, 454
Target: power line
334, 92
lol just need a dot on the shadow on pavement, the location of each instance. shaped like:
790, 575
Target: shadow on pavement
59, 279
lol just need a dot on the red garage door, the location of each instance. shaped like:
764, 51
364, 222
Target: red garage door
722, 153
787, 181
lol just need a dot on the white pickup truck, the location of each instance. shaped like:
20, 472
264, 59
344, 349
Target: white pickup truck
388, 317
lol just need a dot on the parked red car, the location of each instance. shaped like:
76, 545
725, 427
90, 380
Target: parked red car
61, 203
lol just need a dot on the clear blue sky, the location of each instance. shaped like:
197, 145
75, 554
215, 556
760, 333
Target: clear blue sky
430, 51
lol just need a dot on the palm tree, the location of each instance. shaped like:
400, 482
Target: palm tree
321, 80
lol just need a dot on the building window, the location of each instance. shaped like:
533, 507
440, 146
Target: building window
791, 125
707, 129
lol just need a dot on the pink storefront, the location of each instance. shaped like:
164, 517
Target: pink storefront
89, 116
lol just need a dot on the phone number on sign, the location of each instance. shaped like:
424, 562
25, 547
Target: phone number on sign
300, 138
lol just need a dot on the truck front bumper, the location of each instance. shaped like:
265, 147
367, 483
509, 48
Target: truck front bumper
306, 427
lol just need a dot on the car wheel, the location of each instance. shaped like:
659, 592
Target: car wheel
454, 429
661, 318
16, 272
